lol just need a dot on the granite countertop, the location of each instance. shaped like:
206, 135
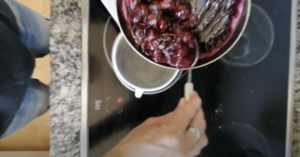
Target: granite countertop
65, 88
65, 98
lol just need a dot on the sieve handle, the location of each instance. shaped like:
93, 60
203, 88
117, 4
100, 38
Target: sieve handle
138, 93
188, 90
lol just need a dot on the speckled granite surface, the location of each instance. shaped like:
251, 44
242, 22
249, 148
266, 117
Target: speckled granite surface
296, 121
65, 99
66, 80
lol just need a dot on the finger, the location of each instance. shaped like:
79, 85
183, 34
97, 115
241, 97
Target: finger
197, 122
187, 143
170, 115
198, 146
183, 115
181, 103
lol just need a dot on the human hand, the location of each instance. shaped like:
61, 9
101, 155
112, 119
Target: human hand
167, 136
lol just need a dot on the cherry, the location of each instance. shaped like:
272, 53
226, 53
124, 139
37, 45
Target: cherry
163, 24
191, 44
192, 22
178, 31
141, 10
187, 37
151, 20
151, 34
169, 37
181, 52
170, 49
173, 61
183, 11
158, 56
132, 3
167, 4
135, 18
155, 7
139, 35
185, 62
151, 45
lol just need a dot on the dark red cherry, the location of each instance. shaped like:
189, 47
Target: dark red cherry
135, 18
184, 63
142, 10
151, 45
151, 34
151, 20
167, 4
183, 11
169, 37
132, 3
139, 35
191, 44
163, 24
154, 7
181, 52
187, 37
192, 22
158, 56
173, 61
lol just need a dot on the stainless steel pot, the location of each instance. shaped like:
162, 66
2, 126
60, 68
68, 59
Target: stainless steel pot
115, 9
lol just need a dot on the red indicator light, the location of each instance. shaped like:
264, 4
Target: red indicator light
119, 100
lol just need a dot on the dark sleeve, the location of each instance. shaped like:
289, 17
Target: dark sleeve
8, 18
16, 67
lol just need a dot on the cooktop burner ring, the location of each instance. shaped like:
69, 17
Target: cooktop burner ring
256, 42
238, 139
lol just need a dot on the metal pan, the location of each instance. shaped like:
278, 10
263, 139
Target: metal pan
117, 12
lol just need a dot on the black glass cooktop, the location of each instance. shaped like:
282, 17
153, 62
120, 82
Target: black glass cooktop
244, 94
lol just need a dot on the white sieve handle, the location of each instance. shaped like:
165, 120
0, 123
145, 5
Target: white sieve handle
188, 90
138, 93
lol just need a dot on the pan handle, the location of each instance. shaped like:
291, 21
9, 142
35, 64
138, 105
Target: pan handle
111, 6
